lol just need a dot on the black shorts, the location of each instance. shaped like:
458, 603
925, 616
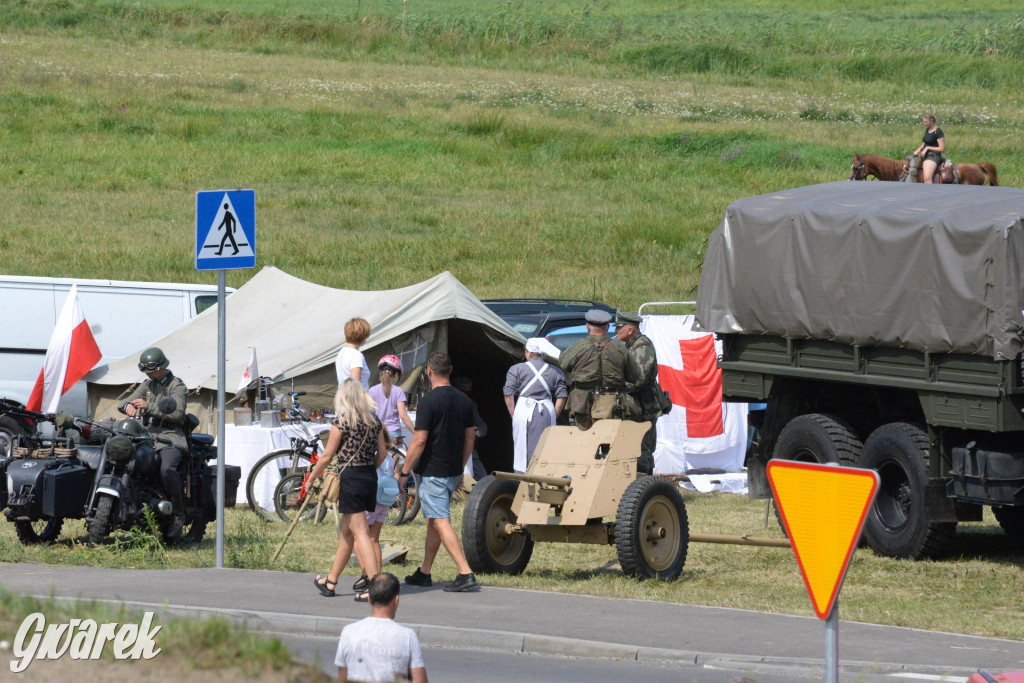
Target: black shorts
358, 490
933, 156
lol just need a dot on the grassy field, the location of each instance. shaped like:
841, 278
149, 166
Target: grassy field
975, 590
525, 165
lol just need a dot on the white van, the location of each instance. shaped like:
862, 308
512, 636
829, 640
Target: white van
125, 317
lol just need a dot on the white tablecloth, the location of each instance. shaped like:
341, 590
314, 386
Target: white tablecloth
245, 445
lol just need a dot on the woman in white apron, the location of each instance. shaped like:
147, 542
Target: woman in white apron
534, 393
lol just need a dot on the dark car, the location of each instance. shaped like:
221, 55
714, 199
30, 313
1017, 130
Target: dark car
540, 317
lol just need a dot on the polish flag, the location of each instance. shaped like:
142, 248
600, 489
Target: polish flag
701, 430
72, 353
251, 373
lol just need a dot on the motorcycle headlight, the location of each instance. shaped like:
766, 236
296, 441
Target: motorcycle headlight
119, 448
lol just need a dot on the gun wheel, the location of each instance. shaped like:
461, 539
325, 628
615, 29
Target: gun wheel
489, 548
652, 533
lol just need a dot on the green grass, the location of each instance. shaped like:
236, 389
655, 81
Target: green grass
974, 590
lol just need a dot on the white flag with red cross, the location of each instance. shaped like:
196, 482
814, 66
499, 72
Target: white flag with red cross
701, 430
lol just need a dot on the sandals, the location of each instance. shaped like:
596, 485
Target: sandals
363, 597
327, 592
361, 584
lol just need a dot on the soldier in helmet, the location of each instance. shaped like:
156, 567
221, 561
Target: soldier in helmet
596, 371
142, 405
645, 388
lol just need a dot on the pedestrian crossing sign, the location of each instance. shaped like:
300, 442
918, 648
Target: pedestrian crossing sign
225, 229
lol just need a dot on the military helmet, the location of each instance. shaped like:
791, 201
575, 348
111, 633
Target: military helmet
130, 427
153, 359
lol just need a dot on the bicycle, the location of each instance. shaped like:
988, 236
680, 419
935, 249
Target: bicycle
274, 466
407, 506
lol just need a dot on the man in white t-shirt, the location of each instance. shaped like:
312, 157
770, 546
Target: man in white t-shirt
376, 648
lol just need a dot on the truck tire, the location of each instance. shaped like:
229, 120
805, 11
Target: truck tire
652, 533
489, 550
44, 530
897, 524
1012, 521
817, 438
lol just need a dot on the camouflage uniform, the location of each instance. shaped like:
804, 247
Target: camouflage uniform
647, 392
596, 365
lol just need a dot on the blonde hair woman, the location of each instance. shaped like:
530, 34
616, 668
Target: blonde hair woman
357, 441
350, 361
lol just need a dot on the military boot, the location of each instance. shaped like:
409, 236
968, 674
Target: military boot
177, 516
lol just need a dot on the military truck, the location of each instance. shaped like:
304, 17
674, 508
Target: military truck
881, 323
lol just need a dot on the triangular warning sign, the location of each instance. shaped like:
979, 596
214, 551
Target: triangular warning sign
226, 234
823, 508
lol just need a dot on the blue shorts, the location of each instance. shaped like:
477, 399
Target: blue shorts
435, 494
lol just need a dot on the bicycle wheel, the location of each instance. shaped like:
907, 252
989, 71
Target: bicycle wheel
264, 476
288, 500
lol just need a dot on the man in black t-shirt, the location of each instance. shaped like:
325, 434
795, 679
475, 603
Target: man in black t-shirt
441, 444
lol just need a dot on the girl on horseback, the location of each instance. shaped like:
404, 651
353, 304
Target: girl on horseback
933, 144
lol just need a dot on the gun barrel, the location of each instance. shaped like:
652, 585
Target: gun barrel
557, 482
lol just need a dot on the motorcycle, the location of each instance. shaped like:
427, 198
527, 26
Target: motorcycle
46, 476
128, 482
108, 474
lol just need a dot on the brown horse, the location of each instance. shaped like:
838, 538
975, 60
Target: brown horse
884, 168
880, 167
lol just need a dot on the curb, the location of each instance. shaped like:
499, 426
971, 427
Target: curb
507, 641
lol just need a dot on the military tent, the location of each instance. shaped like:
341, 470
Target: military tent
296, 328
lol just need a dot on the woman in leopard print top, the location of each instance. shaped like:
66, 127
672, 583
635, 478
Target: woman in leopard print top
357, 445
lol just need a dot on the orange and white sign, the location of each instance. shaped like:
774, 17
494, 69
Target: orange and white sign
823, 508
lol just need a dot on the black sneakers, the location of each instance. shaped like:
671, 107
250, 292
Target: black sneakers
418, 578
462, 582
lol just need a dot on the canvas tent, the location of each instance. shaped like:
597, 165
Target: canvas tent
296, 328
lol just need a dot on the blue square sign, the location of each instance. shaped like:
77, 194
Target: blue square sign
225, 229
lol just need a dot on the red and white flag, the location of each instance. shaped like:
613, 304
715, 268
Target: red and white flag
701, 430
72, 353
251, 373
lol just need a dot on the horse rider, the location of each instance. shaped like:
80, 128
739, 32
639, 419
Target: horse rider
540, 388
142, 404
932, 146
596, 371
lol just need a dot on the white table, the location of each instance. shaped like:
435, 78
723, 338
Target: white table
243, 446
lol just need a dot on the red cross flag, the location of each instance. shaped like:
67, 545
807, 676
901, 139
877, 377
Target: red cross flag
72, 353
251, 373
701, 430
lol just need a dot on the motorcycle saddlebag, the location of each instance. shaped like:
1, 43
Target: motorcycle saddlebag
232, 475
66, 491
987, 477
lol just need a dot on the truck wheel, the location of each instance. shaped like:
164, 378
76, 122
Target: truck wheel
1012, 521
489, 550
817, 438
652, 533
44, 530
10, 430
897, 524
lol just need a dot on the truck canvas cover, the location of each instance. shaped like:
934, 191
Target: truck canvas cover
936, 268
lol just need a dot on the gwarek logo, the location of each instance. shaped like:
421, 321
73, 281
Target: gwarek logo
82, 639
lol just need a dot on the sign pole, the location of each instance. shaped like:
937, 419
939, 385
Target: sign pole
221, 353
832, 645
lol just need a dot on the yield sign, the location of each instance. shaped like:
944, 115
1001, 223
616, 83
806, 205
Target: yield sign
823, 508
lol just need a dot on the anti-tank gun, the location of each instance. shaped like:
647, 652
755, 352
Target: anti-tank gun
575, 481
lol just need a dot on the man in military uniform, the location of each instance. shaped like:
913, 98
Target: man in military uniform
644, 388
596, 373
142, 405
